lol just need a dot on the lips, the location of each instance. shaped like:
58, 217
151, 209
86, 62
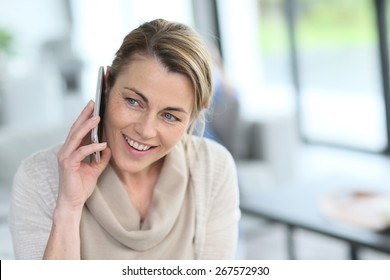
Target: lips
136, 145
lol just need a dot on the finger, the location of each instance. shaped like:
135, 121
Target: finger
78, 137
104, 160
84, 151
87, 140
85, 114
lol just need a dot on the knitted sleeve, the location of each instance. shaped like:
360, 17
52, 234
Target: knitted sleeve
33, 199
217, 195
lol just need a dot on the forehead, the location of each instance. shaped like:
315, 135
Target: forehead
149, 76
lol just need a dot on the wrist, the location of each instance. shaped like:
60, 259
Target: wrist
71, 205
64, 239
67, 214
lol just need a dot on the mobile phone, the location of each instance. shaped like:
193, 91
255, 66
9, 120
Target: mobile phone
97, 132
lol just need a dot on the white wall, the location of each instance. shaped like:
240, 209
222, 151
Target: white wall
99, 27
30, 92
33, 22
102, 25
240, 32
239, 25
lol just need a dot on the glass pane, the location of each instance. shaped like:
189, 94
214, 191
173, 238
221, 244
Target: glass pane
256, 56
341, 94
275, 54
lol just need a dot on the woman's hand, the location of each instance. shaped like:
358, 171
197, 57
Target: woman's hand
78, 177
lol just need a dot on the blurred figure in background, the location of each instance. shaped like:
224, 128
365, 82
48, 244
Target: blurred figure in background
222, 117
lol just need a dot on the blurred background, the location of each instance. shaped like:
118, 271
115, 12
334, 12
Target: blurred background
302, 93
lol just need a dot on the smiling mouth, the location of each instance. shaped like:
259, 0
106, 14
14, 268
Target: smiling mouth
137, 146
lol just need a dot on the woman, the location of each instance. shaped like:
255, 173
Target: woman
158, 192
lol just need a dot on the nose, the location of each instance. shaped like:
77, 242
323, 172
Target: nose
146, 127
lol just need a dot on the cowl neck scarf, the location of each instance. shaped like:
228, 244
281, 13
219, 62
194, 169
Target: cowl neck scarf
111, 226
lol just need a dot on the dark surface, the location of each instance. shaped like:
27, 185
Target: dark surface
299, 207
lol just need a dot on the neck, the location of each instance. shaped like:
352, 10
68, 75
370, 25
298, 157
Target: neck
140, 185
135, 180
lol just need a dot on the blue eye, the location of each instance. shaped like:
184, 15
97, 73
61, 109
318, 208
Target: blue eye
132, 101
170, 117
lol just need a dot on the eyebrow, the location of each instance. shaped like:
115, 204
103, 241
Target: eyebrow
145, 99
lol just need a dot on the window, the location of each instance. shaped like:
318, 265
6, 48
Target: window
341, 93
275, 53
256, 55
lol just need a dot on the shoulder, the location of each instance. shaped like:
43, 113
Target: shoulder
212, 167
33, 199
38, 173
214, 180
206, 151
41, 162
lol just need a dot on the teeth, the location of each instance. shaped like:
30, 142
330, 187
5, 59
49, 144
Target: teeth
137, 146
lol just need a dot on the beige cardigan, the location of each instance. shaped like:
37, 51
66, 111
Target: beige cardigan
213, 175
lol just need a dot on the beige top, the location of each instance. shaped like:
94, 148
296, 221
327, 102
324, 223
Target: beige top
111, 226
210, 200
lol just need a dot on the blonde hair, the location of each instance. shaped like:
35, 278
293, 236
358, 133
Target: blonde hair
179, 48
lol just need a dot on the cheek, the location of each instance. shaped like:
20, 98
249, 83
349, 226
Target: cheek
172, 136
117, 114
114, 118
109, 120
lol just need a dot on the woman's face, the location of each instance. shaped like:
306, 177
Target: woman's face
148, 111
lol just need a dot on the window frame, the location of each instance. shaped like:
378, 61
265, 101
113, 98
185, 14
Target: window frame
384, 71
